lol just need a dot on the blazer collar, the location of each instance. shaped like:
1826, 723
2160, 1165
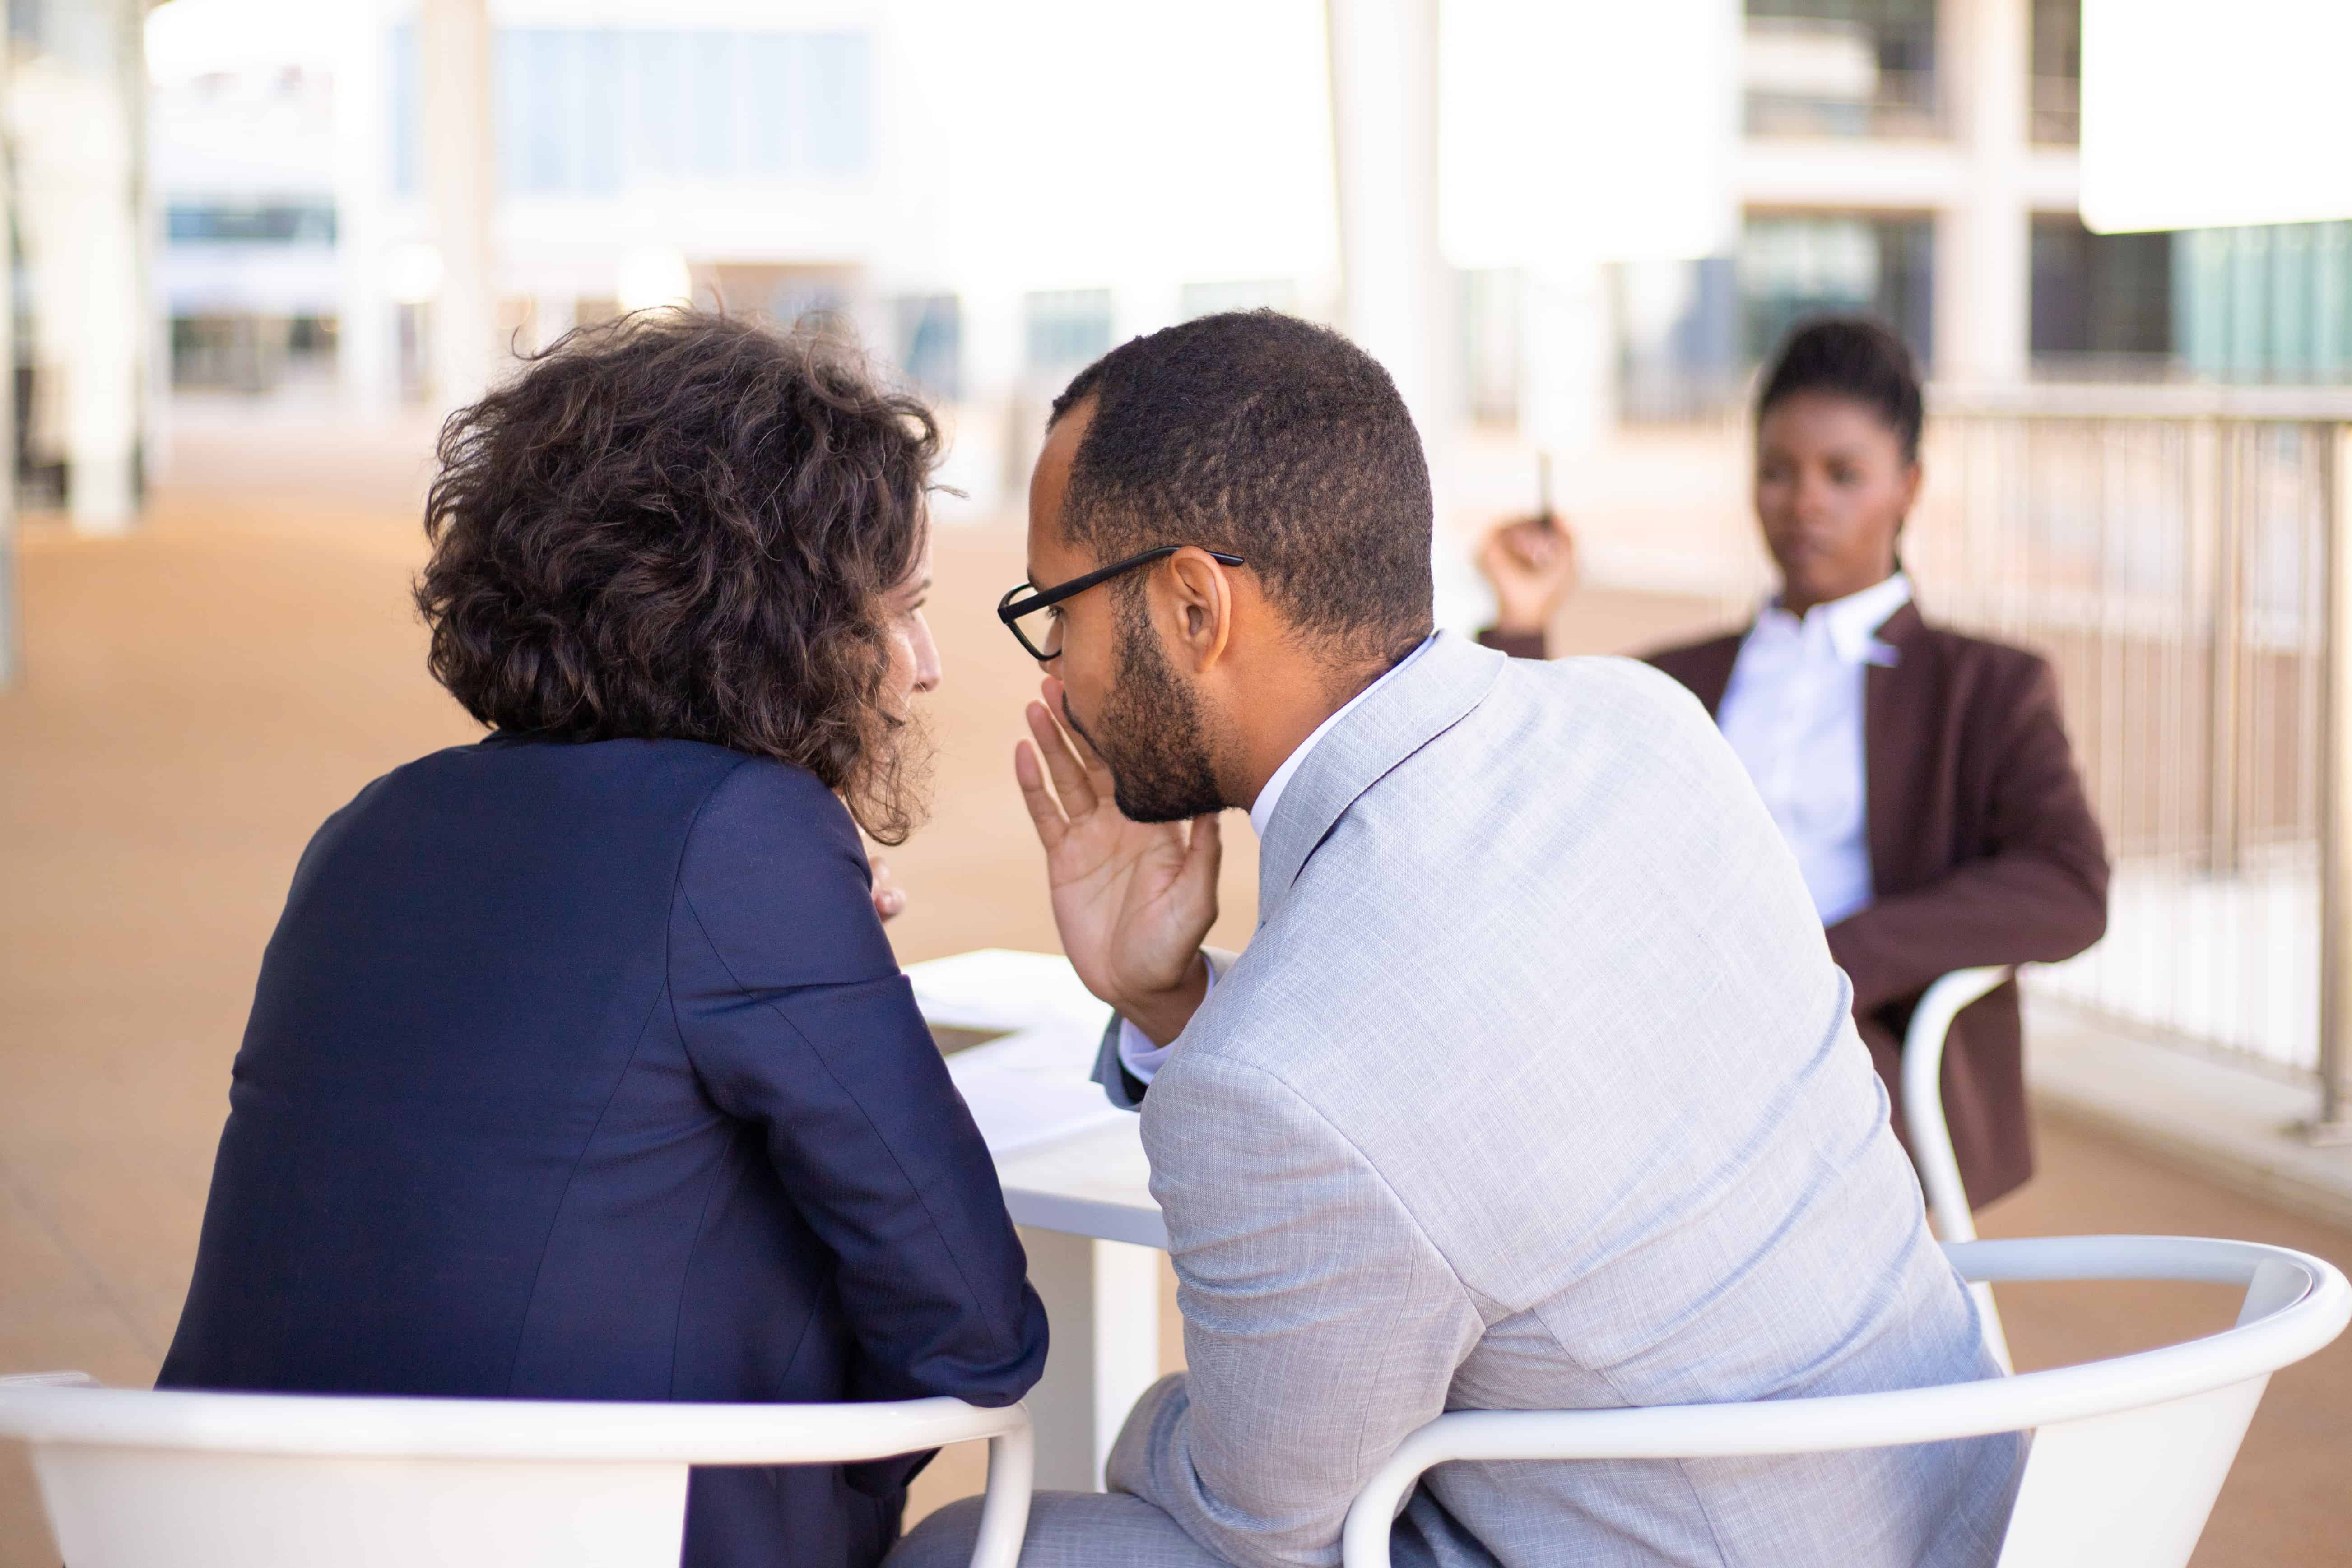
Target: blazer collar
1390, 724
1895, 741
1903, 626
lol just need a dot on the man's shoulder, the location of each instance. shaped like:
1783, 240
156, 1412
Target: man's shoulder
1575, 692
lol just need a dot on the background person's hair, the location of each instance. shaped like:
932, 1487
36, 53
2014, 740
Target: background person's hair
1274, 439
1851, 357
682, 526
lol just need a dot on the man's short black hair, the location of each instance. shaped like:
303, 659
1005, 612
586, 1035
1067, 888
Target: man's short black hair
1276, 440
1851, 357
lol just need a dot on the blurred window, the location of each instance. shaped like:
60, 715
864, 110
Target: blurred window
1678, 339
2102, 304
2264, 303
2056, 113
246, 222
769, 57
595, 111
250, 353
711, 72
1841, 68
1490, 343
656, 68
1066, 328
930, 343
832, 90
1199, 299
404, 134
1796, 265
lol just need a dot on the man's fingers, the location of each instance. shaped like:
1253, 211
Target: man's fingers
1044, 812
1070, 780
1204, 851
1056, 703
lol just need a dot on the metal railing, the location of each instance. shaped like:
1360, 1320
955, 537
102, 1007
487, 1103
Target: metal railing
2179, 555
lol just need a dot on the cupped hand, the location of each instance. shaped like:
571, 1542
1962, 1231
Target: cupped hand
1531, 564
1132, 900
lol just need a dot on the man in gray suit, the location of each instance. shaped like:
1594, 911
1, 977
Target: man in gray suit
1536, 1088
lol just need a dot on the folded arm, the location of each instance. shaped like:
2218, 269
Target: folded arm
2038, 895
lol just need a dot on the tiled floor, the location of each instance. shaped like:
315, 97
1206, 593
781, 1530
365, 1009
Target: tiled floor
202, 694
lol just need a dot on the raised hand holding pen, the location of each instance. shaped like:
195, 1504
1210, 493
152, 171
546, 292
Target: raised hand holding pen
1530, 563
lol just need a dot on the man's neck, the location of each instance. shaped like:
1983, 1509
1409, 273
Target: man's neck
1293, 701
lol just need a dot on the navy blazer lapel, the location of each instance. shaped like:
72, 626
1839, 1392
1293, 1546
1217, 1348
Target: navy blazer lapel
1419, 704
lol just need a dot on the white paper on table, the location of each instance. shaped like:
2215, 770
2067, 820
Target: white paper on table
998, 989
1031, 1087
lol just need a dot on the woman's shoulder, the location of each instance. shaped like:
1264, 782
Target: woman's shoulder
1981, 661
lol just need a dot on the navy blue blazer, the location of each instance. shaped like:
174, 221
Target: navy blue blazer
585, 1071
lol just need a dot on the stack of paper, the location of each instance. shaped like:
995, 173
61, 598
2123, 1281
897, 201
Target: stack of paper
1031, 1087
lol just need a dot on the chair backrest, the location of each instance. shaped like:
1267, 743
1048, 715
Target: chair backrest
133, 1479
1931, 1134
2128, 1456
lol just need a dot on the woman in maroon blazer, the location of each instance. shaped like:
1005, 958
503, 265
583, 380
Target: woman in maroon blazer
1922, 777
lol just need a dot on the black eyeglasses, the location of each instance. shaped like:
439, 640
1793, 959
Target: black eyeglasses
1012, 609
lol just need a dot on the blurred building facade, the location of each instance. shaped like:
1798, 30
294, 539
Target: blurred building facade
1916, 158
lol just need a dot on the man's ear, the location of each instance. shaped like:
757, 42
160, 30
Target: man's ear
1198, 600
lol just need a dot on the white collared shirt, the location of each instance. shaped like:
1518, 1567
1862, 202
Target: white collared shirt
1136, 1051
1793, 713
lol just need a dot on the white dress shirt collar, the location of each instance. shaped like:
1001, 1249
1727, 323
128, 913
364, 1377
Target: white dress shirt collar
1262, 808
1853, 621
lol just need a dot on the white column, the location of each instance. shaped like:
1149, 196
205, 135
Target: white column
454, 72
1984, 262
1396, 292
365, 321
73, 125
1102, 1305
1394, 298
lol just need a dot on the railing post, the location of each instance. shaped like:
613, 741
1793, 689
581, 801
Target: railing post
2332, 1124
2221, 661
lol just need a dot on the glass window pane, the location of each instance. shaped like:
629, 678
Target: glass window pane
595, 108
834, 103
711, 70
770, 90
657, 118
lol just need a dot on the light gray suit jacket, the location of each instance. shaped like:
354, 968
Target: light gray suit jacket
1536, 1089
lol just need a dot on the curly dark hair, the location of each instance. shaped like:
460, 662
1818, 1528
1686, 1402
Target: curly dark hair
682, 525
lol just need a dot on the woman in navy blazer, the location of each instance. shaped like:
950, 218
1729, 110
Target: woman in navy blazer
580, 1067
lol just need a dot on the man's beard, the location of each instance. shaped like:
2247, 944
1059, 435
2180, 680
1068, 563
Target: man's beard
1150, 735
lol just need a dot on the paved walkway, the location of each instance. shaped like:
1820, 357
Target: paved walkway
202, 694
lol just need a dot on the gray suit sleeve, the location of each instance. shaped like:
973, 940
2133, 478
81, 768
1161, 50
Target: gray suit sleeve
1321, 1327
1122, 1088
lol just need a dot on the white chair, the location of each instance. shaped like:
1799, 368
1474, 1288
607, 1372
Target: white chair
2127, 1455
134, 1479
1931, 1134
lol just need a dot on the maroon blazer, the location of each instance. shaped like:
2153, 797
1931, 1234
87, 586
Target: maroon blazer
1982, 851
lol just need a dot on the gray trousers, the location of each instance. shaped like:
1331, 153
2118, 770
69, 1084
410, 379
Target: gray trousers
1066, 1530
